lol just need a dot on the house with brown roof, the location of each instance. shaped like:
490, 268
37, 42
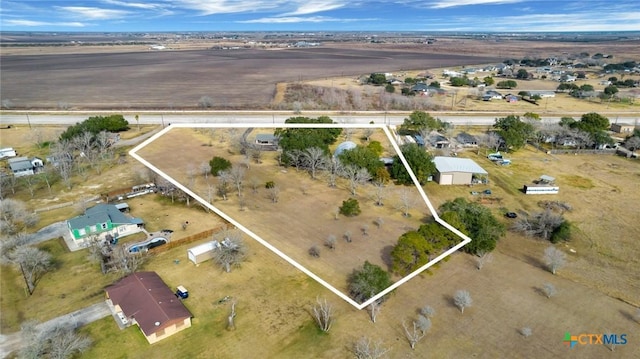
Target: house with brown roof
143, 299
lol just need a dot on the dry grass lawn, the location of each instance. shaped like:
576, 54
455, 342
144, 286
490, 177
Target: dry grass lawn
305, 212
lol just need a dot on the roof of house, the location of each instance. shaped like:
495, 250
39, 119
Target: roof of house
20, 163
455, 164
465, 137
204, 248
100, 213
266, 137
344, 146
144, 297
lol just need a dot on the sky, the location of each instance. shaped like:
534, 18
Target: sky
320, 15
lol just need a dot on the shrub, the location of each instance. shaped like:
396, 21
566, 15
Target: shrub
219, 164
350, 207
269, 184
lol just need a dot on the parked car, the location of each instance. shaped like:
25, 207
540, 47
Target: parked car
511, 215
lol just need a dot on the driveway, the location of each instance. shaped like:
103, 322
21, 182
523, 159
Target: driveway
12, 342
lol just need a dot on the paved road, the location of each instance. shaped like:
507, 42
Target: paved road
269, 117
51, 231
12, 342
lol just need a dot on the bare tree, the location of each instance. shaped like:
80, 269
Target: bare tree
191, 173
14, 217
347, 236
413, 333
205, 169
33, 264
427, 311
313, 159
549, 290
323, 314
237, 176
526, 332
334, 170
365, 348
231, 325
367, 133
62, 154
59, 341
255, 184
482, 258
205, 102
541, 224
296, 157
330, 242
232, 250
273, 193
462, 299
365, 229
424, 323
554, 258
378, 222
224, 178
374, 309
356, 176
379, 193
405, 203
314, 251
125, 262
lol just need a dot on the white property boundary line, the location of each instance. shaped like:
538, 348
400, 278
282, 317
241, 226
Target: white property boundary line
275, 250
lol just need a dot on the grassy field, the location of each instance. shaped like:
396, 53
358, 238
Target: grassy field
305, 212
274, 299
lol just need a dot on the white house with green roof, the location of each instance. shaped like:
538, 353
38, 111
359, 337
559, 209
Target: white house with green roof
102, 220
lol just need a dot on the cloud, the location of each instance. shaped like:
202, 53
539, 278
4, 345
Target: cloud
94, 13
211, 7
314, 6
299, 19
136, 5
31, 23
442, 4
570, 22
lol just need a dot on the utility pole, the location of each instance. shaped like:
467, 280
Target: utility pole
29, 121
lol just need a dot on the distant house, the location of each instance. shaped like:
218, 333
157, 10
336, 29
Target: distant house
438, 141
23, 166
103, 220
493, 95
425, 89
467, 140
511, 98
622, 128
456, 171
605, 82
143, 299
267, 141
542, 93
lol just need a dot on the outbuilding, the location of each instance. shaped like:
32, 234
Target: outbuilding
203, 252
456, 171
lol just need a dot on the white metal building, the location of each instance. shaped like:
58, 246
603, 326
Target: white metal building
453, 170
203, 252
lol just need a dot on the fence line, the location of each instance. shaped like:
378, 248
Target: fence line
189, 239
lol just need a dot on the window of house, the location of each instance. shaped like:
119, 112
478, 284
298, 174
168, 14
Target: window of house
93, 228
103, 226
82, 231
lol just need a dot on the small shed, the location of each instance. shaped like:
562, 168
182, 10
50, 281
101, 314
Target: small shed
203, 252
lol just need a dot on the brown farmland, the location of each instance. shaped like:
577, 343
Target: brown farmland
244, 78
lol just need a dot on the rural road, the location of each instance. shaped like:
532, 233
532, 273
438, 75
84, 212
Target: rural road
270, 117
12, 342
